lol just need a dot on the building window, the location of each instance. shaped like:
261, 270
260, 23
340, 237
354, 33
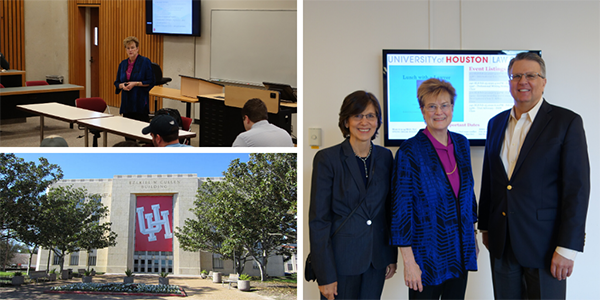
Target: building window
217, 261
92, 258
152, 261
56, 260
74, 261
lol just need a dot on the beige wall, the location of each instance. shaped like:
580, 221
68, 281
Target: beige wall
46, 39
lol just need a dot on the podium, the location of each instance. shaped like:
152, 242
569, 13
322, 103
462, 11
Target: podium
191, 87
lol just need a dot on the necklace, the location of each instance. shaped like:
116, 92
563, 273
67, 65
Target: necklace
452, 170
364, 160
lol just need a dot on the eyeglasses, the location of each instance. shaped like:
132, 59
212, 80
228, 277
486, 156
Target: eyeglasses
528, 76
370, 117
434, 107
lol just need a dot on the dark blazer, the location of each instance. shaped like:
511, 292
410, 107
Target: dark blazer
337, 188
136, 100
545, 202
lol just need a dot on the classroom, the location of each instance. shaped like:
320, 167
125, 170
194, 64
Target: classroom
82, 44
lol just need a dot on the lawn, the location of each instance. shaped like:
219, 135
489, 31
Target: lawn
284, 279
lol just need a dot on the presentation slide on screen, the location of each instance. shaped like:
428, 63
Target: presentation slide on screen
172, 16
481, 83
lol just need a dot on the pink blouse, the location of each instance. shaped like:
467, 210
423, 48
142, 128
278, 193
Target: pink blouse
130, 67
446, 155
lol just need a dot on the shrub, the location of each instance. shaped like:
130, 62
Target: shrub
204, 272
129, 273
245, 277
164, 274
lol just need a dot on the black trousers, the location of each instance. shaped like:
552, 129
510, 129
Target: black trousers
138, 116
513, 281
450, 289
367, 285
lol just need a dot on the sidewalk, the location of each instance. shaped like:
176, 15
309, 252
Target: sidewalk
196, 288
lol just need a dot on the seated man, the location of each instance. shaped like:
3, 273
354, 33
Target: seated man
164, 131
259, 132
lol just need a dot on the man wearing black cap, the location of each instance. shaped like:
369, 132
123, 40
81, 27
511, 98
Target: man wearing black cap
164, 131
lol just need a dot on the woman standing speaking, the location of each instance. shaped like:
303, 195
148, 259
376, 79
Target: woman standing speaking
134, 81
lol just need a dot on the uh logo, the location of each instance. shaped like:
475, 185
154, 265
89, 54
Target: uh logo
155, 221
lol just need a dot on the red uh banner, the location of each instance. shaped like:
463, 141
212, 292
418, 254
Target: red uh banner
153, 223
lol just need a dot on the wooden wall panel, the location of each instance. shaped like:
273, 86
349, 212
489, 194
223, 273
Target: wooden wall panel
118, 19
12, 32
77, 60
88, 2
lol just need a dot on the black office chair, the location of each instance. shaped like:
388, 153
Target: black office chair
158, 75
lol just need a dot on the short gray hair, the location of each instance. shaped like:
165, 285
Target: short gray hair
528, 56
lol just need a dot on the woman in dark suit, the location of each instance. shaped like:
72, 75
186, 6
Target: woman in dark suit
355, 262
134, 81
433, 203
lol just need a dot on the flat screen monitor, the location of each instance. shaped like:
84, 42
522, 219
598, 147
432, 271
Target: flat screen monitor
286, 93
480, 78
173, 17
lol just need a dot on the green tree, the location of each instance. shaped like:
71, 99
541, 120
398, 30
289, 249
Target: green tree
96, 236
74, 222
208, 233
8, 250
250, 213
22, 185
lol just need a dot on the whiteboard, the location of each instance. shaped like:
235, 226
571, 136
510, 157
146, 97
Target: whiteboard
252, 46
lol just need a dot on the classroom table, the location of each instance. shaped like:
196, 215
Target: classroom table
13, 96
12, 78
221, 97
125, 127
164, 92
61, 112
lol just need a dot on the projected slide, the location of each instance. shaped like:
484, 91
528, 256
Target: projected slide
480, 80
403, 90
173, 16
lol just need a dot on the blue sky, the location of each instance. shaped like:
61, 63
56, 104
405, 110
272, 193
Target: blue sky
106, 165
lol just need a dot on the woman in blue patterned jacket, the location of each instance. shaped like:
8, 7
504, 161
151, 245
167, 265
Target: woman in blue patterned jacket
433, 203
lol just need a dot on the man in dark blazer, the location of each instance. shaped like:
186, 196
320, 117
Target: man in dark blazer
362, 244
535, 189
